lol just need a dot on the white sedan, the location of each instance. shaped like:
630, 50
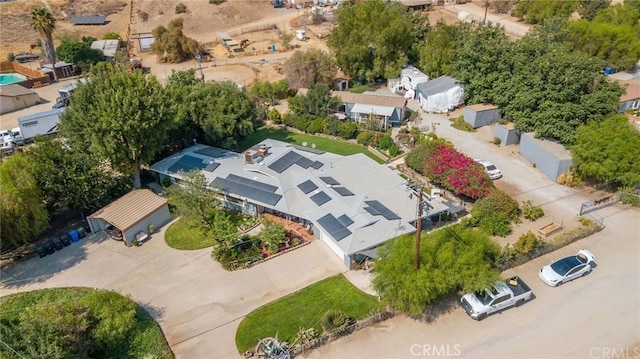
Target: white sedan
568, 268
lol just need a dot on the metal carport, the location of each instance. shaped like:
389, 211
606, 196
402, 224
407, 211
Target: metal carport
132, 214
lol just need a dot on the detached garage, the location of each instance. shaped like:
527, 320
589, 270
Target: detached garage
15, 97
132, 214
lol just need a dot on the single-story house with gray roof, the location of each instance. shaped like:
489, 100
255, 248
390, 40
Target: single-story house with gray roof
442, 94
385, 108
352, 203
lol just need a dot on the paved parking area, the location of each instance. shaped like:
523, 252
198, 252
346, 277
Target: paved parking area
198, 304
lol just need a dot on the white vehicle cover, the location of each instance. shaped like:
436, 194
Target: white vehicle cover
410, 94
444, 101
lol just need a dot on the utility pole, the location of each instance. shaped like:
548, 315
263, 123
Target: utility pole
416, 256
486, 7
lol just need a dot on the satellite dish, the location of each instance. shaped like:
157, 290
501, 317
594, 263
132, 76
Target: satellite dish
313, 145
304, 144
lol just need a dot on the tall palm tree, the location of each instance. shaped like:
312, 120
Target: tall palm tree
45, 23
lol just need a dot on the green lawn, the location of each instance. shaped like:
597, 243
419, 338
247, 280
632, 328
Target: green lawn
304, 308
323, 144
361, 88
185, 234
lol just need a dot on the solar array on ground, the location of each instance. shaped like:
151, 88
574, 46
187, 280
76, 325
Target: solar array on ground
89, 20
330, 181
343, 191
378, 209
248, 188
187, 164
320, 198
333, 227
307, 186
286, 161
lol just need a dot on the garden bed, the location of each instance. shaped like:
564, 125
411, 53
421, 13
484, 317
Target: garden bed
550, 228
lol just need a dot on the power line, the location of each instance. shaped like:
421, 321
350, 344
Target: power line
13, 350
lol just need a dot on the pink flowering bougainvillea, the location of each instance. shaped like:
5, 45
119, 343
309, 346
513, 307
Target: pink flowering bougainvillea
458, 173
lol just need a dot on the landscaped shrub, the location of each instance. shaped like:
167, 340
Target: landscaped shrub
272, 234
527, 243
460, 124
530, 211
217, 2
238, 253
274, 116
316, 126
495, 224
306, 335
385, 142
336, 322
417, 158
569, 178
394, 151
366, 138
181, 8
347, 129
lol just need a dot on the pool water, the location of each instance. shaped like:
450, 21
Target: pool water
10, 79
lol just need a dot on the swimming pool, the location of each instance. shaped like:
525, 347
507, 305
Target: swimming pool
8, 79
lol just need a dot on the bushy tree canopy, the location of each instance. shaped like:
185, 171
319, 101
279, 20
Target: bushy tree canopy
450, 259
119, 116
608, 151
317, 102
373, 38
537, 11
305, 68
172, 44
22, 213
437, 54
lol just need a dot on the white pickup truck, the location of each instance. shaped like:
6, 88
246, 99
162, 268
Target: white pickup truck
501, 295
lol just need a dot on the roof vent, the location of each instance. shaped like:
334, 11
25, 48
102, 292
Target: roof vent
248, 157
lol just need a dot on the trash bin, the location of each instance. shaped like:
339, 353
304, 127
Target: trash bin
75, 237
81, 232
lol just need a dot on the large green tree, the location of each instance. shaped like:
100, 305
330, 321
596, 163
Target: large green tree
373, 38
451, 259
437, 54
223, 112
194, 199
305, 68
119, 116
23, 216
45, 23
537, 11
588, 9
317, 102
70, 179
608, 151
171, 43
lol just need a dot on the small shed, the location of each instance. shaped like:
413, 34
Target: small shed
132, 214
340, 84
481, 115
108, 47
15, 97
61, 68
549, 156
507, 134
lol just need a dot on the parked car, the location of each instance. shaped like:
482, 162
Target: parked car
48, 247
113, 232
567, 268
66, 240
57, 243
41, 251
501, 295
490, 168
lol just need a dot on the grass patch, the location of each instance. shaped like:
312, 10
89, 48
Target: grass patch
187, 234
460, 124
304, 308
323, 144
361, 88
52, 313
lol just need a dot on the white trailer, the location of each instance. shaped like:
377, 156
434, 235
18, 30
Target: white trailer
41, 123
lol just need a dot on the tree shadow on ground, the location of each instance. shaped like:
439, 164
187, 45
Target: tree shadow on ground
446, 305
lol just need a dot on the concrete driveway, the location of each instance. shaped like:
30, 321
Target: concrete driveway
198, 304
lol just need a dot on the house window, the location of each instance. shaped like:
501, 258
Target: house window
635, 104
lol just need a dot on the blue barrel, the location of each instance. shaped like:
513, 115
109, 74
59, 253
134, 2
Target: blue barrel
608, 71
74, 235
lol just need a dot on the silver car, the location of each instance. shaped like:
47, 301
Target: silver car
568, 268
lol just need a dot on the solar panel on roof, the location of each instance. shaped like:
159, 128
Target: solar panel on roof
304, 162
333, 227
211, 151
372, 211
211, 166
345, 220
252, 183
307, 186
241, 189
317, 164
330, 181
89, 20
381, 209
343, 191
187, 164
284, 162
320, 198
